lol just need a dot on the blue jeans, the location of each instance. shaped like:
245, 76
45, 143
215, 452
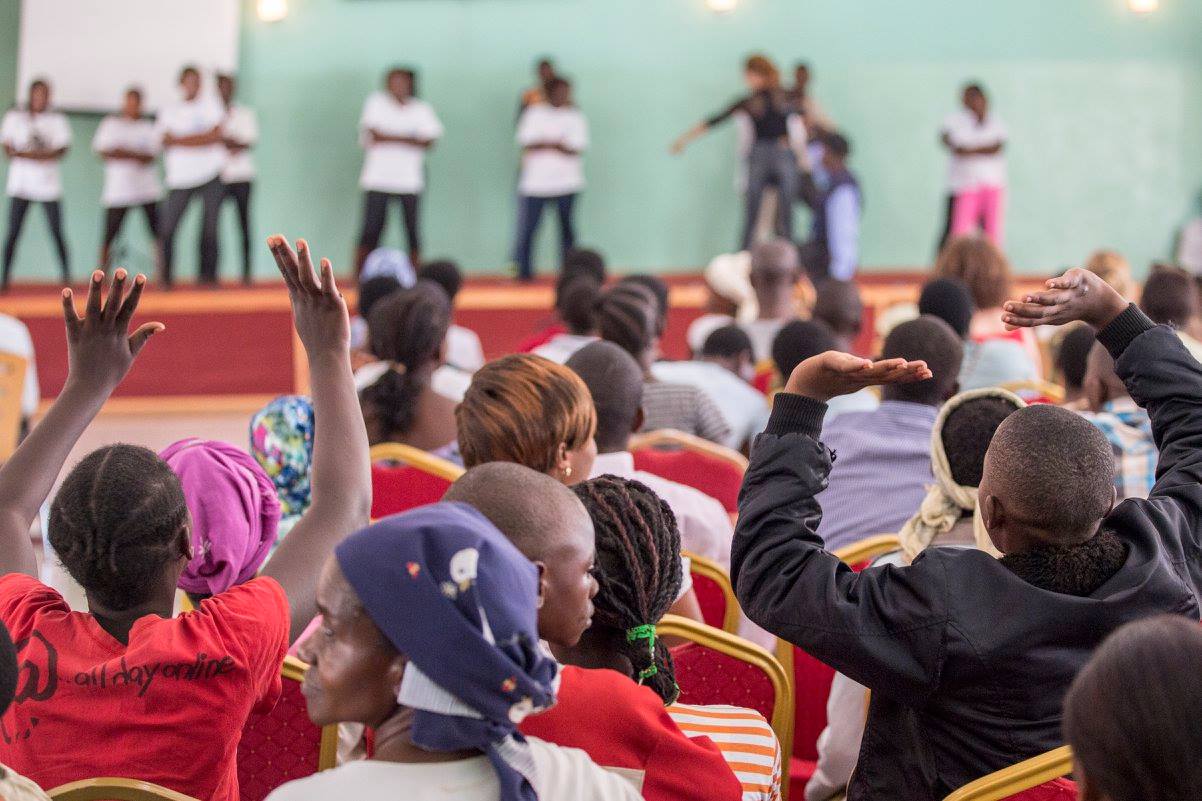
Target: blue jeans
530, 213
771, 163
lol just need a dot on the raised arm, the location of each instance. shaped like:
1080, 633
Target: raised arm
100, 352
700, 128
341, 465
210, 137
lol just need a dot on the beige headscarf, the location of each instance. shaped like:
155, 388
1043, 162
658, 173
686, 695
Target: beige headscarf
946, 501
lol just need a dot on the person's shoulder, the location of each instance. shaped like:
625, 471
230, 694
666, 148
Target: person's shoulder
605, 683
316, 787
262, 593
20, 586
564, 772
15, 787
251, 611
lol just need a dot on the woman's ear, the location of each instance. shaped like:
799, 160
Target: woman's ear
542, 583
562, 462
183, 542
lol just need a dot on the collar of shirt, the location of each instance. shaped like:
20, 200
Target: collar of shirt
619, 464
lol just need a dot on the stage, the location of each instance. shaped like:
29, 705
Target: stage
233, 349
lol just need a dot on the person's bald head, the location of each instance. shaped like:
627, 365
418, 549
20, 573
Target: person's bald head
1048, 480
550, 526
616, 382
1102, 384
775, 269
839, 305
933, 341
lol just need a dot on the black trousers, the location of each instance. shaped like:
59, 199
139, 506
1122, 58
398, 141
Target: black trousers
17, 208
114, 218
174, 206
240, 192
375, 209
530, 213
947, 224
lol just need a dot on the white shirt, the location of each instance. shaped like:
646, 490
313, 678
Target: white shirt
389, 166
1189, 248
560, 773
30, 179
560, 347
242, 126
128, 182
188, 167
15, 339
451, 382
761, 333
700, 329
963, 129
464, 349
550, 173
743, 406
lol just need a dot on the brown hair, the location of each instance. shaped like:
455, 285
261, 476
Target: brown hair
1114, 269
981, 265
762, 66
519, 408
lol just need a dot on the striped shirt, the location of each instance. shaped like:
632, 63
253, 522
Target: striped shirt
1128, 429
685, 408
745, 740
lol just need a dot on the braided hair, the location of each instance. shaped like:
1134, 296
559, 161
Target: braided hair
115, 523
639, 573
407, 329
627, 316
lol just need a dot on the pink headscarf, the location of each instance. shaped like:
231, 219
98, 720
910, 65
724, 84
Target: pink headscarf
235, 513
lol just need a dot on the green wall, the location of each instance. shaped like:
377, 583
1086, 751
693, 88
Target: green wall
1104, 108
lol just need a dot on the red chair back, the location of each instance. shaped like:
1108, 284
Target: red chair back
396, 489
283, 744
711, 599
1055, 790
715, 477
706, 676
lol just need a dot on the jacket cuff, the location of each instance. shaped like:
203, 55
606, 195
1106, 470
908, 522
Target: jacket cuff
1122, 330
796, 414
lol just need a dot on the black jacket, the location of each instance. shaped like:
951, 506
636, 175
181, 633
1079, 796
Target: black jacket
968, 664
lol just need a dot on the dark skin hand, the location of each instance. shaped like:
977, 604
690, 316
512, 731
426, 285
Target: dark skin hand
831, 374
1076, 295
35, 155
212, 136
381, 138
121, 154
567, 151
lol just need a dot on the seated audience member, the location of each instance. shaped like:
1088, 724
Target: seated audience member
627, 317
833, 249
883, 467
949, 517
371, 292
1189, 246
622, 726
729, 298
1072, 357
775, 273
1170, 297
659, 290
1113, 268
615, 382
429, 639
1132, 714
576, 306
281, 440
1128, 428
120, 525
968, 657
578, 262
801, 339
464, 351
839, 305
16, 341
983, 267
400, 404
723, 370
638, 576
987, 363
13, 786
391, 263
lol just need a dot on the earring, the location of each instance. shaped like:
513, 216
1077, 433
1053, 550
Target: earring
567, 472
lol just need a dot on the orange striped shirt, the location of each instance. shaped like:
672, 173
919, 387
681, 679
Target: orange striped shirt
745, 740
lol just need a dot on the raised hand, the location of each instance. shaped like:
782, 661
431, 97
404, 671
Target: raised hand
318, 308
100, 348
1076, 295
831, 374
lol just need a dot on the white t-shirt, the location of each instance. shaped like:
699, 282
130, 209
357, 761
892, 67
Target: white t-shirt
561, 347
464, 349
187, 167
241, 125
128, 182
1189, 249
562, 773
29, 179
762, 333
549, 173
963, 129
389, 166
15, 339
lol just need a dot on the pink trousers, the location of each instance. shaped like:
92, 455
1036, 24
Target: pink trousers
984, 206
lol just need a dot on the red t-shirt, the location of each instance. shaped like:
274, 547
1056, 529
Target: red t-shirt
622, 725
168, 708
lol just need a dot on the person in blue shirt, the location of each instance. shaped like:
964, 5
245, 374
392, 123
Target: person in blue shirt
832, 191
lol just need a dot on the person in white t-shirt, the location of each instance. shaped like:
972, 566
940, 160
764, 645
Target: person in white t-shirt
127, 143
553, 135
975, 137
396, 129
194, 155
35, 139
239, 132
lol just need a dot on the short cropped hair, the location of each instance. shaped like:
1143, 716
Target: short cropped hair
615, 381
445, 273
1170, 297
966, 435
1072, 357
799, 340
727, 342
933, 341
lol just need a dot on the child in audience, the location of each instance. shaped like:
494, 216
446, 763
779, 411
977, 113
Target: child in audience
576, 306
1127, 427
13, 786
578, 263
799, 340
429, 639
627, 316
1072, 349
464, 351
407, 334
623, 726
121, 527
639, 575
968, 657
281, 440
1133, 716
949, 517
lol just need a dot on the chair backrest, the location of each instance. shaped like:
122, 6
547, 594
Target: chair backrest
113, 789
860, 553
690, 460
1036, 391
283, 744
715, 667
12, 383
765, 377
404, 477
715, 595
1034, 779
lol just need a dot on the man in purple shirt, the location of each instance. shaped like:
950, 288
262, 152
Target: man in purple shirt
882, 465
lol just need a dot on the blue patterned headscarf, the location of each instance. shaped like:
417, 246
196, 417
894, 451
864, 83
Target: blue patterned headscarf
453, 595
281, 440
